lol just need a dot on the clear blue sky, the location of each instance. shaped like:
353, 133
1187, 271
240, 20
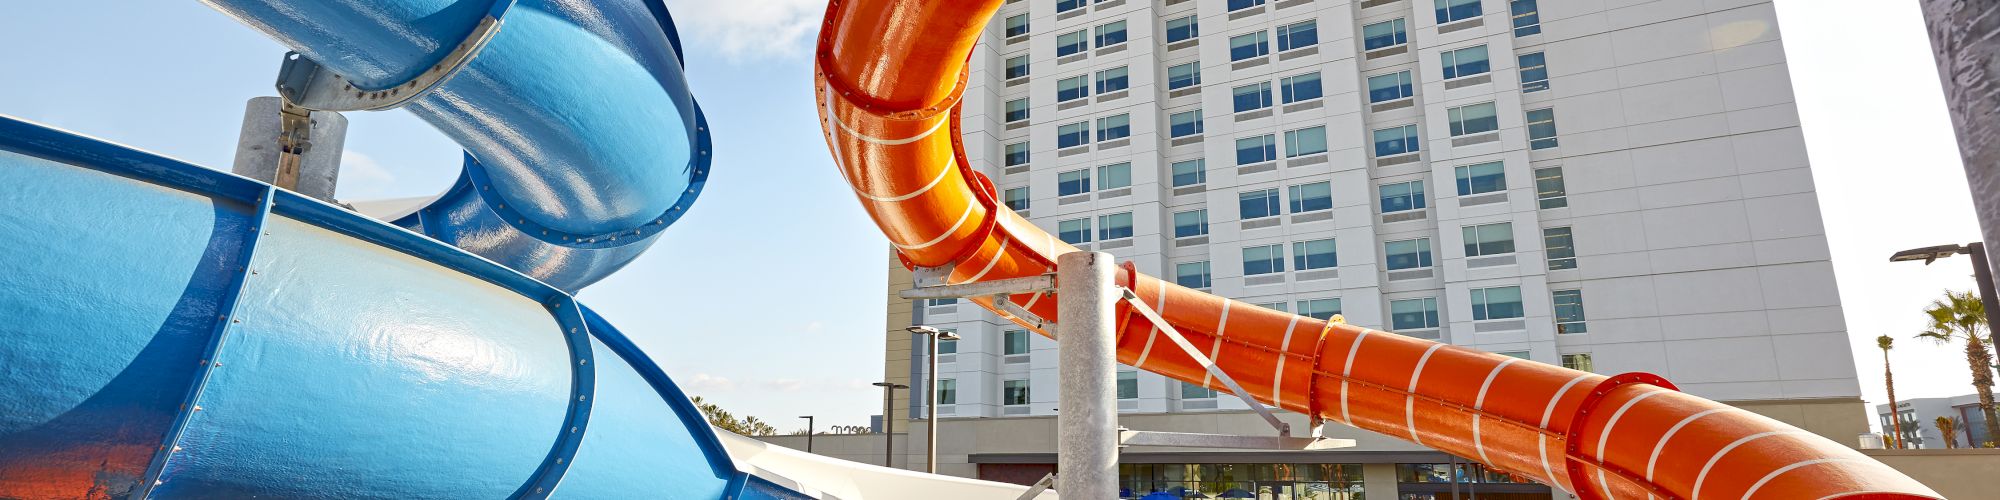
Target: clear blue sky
768, 296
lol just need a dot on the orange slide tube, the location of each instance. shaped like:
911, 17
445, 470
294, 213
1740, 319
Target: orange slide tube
889, 79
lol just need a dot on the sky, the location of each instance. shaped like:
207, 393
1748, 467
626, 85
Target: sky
768, 297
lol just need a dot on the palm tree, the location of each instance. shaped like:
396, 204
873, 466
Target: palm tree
1889, 379
1959, 316
1949, 428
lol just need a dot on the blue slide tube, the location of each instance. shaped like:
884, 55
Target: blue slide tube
582, 141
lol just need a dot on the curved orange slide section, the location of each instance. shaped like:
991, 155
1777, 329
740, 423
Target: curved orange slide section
890, 76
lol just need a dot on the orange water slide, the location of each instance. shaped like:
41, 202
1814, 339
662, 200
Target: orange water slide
889, 80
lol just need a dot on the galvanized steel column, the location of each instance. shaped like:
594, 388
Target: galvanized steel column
1087, 415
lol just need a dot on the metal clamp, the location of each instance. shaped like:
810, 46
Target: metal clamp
303, 82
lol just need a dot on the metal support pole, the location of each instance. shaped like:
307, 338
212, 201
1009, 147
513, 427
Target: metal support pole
1087, 422
809, 432
291, 147
1982, 271
930, 408
889, 426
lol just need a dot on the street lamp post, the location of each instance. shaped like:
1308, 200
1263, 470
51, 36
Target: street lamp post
809, 432
1981, 270
930, 400
888, 421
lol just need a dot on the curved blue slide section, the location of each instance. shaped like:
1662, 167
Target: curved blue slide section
582, 141
173, 331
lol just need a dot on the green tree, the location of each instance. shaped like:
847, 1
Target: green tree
1948, 426
722, 419
1961, 317
1889, 379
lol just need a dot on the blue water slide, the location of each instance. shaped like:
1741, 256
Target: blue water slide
172, 331
582, 141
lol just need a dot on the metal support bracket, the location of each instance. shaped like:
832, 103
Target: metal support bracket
1284, 429
930, 283
1127, 437
304, 82
1035, 490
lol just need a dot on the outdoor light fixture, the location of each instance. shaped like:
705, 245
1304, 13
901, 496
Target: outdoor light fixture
931, 383
809, 432
1928, 254
888, 419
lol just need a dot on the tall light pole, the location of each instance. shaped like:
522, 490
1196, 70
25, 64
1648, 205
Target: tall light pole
888, 421
931, 385
1982, 272
809, 432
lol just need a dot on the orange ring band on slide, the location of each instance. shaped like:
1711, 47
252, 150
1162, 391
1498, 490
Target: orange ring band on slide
890, 74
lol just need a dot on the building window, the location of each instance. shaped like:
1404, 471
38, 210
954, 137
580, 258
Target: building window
1128, 385
1496, 303
1300, 87
1408, 254
1072, 88
1265, 259
1190, 172
1183, 29
1073, 182
1114, 127
1014, 342
1413, 314
1276, 306
1017, 25
947, 391
1184, 76
1394, 141
1388, 33
1111, 34
1017, 198
1315, 254
1403, 196
1549, 190
940, 302
1465, 62
1017, 67
1482, 178
1312, 197
1542, 128
1569, 311
1191, 391
1072, 135
1114, 176
1074, 231
1069, 5
1578, 361
1527, 18
1236, 5
1534, 72
1072, 43
1257, 149
1116, 226
1510, 354
1249, 45
1305, 141
1017, 110
1192, 274
1489, 239
1016, 154
947, 346
1562, 251
1473, 119
1298, 35
1191, 223
1257, 204
1319, 309
1252, 97
1014, 392
1184, 124
1455, 10
1112, 80
1390, 87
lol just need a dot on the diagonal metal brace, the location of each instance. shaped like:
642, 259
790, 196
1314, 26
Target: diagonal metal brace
1035, 490
303, 82
1284, 429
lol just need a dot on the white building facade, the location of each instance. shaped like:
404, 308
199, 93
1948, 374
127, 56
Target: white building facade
1609, 185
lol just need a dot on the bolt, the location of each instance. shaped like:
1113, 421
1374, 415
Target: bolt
583, 361
197, 407
218, 363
